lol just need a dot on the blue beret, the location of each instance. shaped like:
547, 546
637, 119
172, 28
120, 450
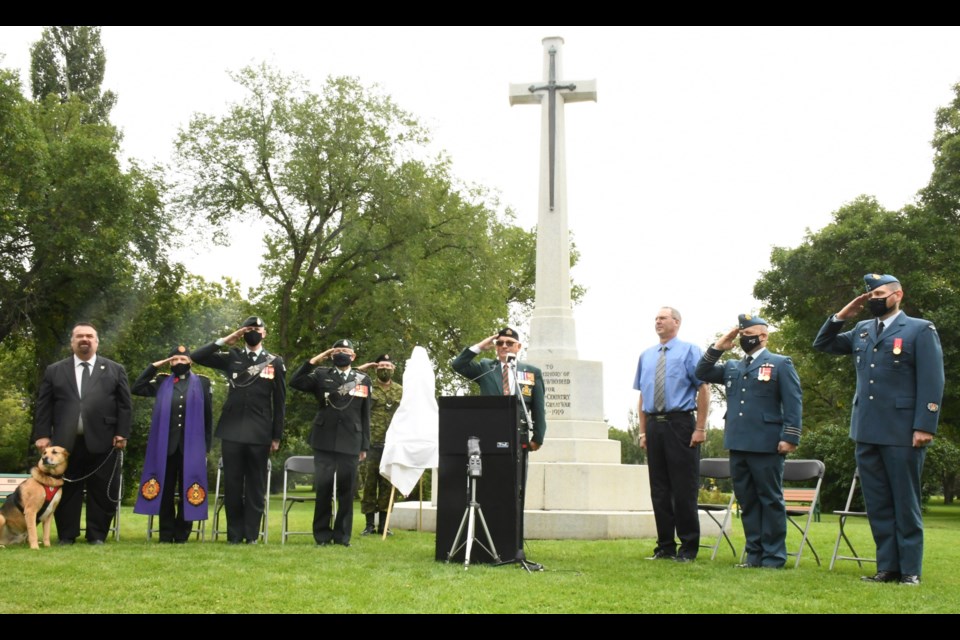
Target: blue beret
746, 320
874, 280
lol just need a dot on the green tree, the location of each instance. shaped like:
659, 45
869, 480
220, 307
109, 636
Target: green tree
68, 62
362, 238
75, 229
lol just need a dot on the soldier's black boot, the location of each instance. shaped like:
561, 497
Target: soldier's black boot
369, 528
383, 523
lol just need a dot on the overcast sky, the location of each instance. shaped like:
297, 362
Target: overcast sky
706, 147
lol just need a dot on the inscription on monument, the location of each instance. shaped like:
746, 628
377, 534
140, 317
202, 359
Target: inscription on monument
557, 385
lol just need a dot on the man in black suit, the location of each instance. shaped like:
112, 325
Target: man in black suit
251, 423
340, 436
84, 406
180, 435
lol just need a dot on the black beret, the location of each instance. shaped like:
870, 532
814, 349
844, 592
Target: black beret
179, 350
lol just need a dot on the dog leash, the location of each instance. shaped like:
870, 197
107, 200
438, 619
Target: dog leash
117, 465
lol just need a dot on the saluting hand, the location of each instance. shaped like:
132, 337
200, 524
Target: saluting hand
233, 337
160, 363
488, 343
854, 307
725, 342
320, 357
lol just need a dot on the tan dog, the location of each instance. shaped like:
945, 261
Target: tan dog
34, 501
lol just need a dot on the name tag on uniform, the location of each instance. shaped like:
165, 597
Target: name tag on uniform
361, 391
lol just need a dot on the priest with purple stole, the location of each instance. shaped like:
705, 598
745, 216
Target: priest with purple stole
180, 437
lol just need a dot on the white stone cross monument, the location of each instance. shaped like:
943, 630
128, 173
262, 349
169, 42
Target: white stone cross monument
576, 487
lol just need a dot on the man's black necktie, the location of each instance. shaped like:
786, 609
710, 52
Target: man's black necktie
84, 378
748, 360
879, 327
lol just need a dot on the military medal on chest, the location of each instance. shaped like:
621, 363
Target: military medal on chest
897, 346
763, 373
360, 391
267, 372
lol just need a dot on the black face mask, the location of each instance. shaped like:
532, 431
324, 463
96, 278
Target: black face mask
180, 370
749, 343
341, 359
252, 338
878, 306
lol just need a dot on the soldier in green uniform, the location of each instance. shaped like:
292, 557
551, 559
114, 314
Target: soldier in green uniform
386, 399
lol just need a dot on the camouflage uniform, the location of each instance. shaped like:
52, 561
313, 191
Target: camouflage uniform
376, 488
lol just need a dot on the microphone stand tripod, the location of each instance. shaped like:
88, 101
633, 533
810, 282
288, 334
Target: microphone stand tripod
471, 514
522, 442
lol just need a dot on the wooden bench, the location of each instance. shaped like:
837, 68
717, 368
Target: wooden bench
9, 483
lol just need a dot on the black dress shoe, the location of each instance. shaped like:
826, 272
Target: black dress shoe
368, 530
389, 532
911, 580
65, 542
342, 544
684, 559
883, 576
96, 541
324, 543
662, 555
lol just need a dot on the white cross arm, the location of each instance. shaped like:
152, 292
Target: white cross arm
521, 94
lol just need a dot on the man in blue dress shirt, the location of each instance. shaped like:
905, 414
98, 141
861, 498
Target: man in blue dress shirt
896, 408
763, 423
672, 415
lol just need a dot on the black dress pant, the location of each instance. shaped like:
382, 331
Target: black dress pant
100, 506
173, 528
344, 465
245, 474
674, 468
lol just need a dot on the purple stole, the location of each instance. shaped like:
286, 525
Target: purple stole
194, 494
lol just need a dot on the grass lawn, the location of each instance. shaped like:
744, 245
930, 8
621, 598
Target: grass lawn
399, 575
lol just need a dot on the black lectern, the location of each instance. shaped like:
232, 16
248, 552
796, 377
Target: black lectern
495, 421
